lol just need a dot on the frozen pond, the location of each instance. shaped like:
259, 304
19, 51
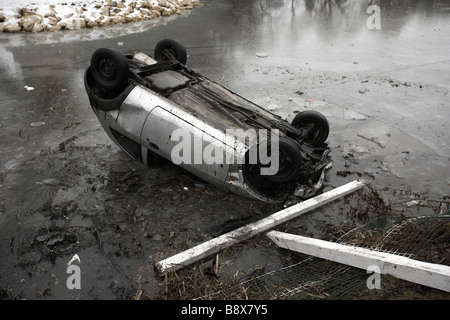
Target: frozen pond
65, 188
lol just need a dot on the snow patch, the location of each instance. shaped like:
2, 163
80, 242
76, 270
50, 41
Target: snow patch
53, 15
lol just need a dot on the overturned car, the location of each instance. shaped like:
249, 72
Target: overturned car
157, 105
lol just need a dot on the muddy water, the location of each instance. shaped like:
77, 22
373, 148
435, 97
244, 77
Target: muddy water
66, 189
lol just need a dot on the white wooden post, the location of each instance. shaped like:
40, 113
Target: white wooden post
214, 245
428, 274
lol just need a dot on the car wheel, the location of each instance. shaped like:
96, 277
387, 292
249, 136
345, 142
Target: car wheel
289, 161
109, 68
316, 124
168, 49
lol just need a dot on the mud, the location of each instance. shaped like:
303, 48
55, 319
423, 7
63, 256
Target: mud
117, 215
67, 189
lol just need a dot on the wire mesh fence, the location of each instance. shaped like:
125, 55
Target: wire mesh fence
425, 238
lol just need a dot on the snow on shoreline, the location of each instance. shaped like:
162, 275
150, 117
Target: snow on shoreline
53, 15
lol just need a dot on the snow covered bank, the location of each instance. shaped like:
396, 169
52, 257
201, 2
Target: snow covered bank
53, 15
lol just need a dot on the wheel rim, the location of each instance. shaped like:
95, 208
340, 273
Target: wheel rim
285, 164
168, 54
313, 131
107, 68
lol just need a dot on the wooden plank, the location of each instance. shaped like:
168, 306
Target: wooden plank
428, 274
214, 245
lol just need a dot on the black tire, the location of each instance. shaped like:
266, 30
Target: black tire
168, 48
290, 161
289, 165
109, 68
320, 129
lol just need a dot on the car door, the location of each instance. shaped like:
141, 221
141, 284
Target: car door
186, 141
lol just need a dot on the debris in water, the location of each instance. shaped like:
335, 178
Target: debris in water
29, 88
273, 107
37, 124
74, 258
350, 114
